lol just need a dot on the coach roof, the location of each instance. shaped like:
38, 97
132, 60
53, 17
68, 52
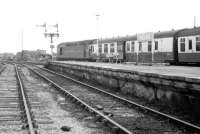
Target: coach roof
83, 42
119, 38
165, 34
189, 32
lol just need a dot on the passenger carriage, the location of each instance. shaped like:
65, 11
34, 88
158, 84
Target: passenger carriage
175, 46
150, 47
189, 46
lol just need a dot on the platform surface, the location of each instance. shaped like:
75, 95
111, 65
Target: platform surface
182, 71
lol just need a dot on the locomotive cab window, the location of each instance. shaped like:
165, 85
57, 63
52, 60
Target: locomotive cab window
197, 43
182, 45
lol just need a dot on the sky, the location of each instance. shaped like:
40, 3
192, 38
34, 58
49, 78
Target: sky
77, 19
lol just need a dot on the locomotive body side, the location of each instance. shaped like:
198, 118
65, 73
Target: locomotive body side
71, 52
78, 50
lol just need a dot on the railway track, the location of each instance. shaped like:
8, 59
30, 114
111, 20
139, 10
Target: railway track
29, 106
27, 115
39, 117
46, 105
15, 115
21, 111
10, 116
111, 108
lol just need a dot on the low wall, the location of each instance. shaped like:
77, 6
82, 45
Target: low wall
175, 93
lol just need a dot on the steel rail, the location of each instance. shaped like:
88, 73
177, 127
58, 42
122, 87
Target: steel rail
180, 121
121, 128
25, 104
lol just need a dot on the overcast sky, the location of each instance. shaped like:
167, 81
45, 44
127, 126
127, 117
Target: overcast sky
77, 20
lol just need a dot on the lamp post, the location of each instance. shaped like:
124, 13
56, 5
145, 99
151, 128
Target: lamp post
51, 35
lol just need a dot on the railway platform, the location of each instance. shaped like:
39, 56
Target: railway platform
176, 71
173, 87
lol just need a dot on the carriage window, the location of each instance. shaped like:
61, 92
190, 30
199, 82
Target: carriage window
119, 48
149, 46
132, 46
128, 48
105, 48
92, 48
182, 44
190, 45
61, 50
156, 45
100, 48
112, 48
182, 39
140, 46
197, 43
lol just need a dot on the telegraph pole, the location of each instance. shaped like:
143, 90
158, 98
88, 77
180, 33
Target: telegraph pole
97, 19
22, 42
51, 35
194, 21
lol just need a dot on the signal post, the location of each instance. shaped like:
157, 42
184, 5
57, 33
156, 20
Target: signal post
52, 35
